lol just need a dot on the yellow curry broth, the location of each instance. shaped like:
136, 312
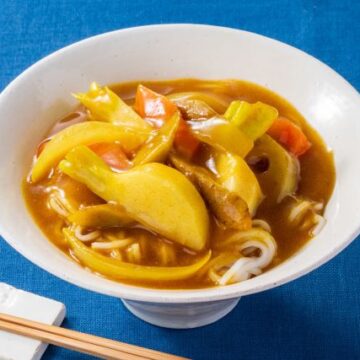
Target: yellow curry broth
316, 183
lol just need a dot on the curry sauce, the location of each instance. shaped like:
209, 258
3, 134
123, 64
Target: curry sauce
317, 178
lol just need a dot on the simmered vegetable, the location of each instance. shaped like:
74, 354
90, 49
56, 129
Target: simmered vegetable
281, 177
252, 119
112, 154
236, 176
185, 141
153, 106
226, 205
155, 195
85, 133
212, 100
101, 216
195, 109
290, 136
157, 148
104, 105
159, 109
222, 135
122, 270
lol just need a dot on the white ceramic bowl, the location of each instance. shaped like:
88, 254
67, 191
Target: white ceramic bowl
41, 95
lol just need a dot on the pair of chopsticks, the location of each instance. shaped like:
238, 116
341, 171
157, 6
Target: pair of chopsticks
84, 343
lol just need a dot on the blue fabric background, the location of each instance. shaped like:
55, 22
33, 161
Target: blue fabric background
316, 317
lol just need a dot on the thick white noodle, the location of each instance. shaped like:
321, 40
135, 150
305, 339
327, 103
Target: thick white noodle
57, 207
319, 224
245, 267
318, 206
116, 244
299, 210
91, 236
214, 277
239, 271
261, 224
58, 202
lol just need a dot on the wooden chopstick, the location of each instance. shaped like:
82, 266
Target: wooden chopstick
85, 343
72, 344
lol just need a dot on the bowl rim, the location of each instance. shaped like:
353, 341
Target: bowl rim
176, 295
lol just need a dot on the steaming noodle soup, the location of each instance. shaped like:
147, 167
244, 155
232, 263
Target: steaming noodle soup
180, 184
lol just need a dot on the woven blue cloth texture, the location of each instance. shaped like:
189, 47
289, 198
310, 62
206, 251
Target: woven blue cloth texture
315, 317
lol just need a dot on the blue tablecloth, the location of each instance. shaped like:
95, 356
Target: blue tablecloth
316, 317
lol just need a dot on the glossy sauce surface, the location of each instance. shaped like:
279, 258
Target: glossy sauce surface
316, 183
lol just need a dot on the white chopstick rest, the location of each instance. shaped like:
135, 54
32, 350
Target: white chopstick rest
32, 307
